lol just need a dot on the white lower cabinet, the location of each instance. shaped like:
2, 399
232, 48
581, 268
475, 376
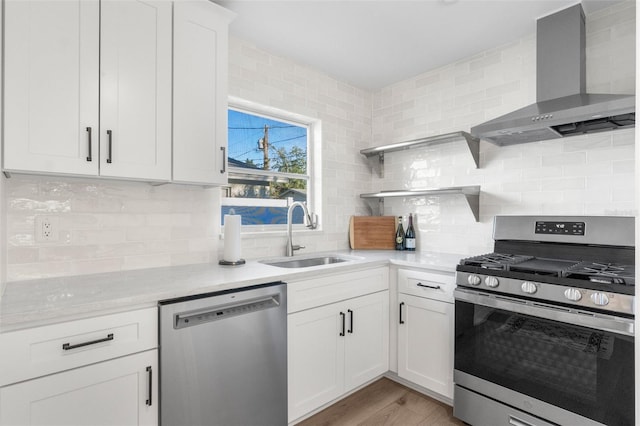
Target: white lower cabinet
122, 391
425, 330
425, 355
335, 348
93, 371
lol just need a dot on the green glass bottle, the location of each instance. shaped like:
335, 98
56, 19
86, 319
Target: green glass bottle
400, 235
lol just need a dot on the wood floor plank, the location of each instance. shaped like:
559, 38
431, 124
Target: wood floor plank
359, 406
442, 415
419, 403
394, 415
385, 402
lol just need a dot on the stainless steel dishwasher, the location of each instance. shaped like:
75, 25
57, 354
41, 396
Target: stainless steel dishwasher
223, 358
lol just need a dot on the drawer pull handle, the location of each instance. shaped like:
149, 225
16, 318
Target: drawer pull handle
149, 401
350, 330
69, 346
435, 287
343, 317
401, 320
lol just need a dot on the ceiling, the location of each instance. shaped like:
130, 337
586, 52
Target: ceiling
372, 44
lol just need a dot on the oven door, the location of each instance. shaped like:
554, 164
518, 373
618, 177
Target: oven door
559, 364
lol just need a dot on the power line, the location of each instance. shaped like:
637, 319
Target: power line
289, 139
270, 143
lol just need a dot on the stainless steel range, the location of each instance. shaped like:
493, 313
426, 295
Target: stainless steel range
544, 325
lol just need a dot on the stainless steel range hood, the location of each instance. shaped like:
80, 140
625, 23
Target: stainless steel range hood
563, 108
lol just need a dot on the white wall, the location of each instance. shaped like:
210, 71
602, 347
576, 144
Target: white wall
3, 216
111, 225
577, 175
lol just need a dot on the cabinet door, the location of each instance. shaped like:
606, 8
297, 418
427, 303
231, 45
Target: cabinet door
135, 89
200, 57
51, 64
367, 339
425, 343
117, 392
315, 358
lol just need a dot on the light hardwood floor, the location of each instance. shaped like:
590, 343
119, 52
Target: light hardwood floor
385, 402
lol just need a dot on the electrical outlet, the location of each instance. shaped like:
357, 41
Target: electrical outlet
46, 228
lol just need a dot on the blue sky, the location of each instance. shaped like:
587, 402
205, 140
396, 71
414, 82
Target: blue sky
245, 130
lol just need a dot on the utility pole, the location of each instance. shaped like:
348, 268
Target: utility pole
265, 147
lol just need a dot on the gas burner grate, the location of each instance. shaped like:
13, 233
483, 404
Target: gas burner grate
600, 272
495, 261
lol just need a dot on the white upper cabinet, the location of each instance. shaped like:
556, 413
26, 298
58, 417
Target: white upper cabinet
135, 89
200, 62
88, 88
51, 86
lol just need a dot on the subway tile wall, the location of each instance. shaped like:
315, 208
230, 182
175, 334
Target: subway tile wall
591, 175
107, 225
345, 114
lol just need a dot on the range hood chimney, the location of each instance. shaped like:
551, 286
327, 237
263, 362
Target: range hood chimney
563, 107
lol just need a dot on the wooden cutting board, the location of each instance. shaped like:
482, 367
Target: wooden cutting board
372, 232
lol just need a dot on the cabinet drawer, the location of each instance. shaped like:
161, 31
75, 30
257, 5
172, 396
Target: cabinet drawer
121, 391
48, 349
332, 288
430, 284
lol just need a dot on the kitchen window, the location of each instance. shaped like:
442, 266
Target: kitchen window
272, 162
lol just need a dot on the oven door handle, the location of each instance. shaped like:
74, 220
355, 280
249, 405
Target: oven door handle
594, 320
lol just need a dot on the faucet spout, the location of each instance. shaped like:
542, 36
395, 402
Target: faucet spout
310, 219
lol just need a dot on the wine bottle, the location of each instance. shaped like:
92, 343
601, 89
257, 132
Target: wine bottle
400, 235
410, 236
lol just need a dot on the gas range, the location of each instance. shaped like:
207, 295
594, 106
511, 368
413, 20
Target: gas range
570, 261
545, 324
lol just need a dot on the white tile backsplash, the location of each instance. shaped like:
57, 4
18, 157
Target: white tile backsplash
108, 225
580, 175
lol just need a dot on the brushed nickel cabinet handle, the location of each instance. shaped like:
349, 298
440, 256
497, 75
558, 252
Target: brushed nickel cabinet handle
89, 156
109, 145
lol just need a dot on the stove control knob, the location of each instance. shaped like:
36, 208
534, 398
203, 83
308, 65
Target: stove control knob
491, 282
600, 299
529, 287
474, 280
573, 294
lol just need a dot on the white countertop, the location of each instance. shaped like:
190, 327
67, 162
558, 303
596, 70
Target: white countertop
37, 302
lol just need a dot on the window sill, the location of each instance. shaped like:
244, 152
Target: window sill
274, 233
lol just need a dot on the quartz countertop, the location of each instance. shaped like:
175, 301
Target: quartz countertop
32, 303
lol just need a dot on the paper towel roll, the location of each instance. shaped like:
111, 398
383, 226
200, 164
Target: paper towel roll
232, 224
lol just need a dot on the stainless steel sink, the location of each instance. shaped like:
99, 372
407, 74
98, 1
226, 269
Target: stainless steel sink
305, 262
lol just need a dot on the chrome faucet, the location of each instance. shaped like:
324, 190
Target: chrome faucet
310, 219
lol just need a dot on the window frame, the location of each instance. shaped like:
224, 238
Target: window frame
314, 167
